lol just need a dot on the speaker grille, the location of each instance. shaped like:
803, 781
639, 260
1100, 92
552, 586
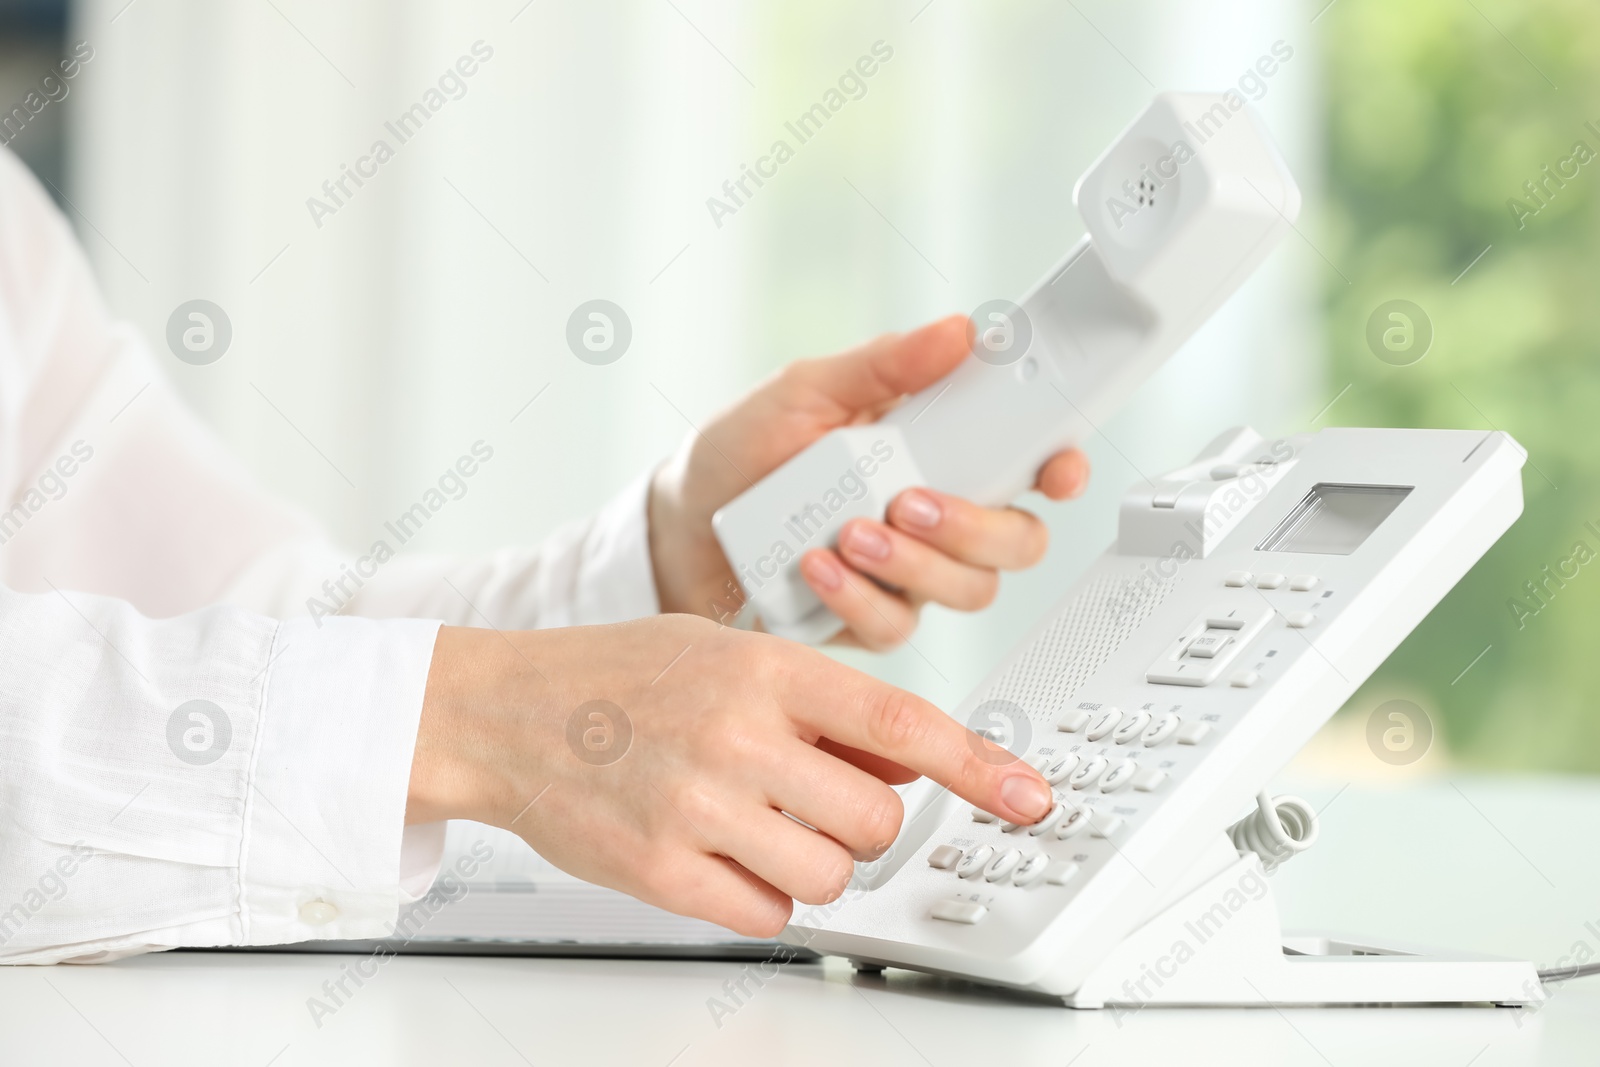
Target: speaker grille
1045, 678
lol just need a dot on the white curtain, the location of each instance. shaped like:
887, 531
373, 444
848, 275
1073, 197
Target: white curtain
431, 306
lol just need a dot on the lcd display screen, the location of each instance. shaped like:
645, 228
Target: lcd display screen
1334, 519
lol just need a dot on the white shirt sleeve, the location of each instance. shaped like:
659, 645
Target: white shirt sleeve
191, 752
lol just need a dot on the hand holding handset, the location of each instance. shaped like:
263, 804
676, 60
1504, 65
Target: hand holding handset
1180, 210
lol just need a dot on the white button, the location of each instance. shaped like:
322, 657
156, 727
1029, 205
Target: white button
1192, 733
1088, 772
1119, 776
1149, 779
1270, 580
944, 857
1072, 721
979, 815
1047, 823
1245, 679
1131, 727
1105, 826
1073, 824
1104, 723
1222, 472
1038, 760
1060, 767
1006, 826
1208, 644
1237, 579
973, 863
959, 911
1224, 622
1061, 873
1161, 729
1299, 619
318, 913
1002, 865
1031, 870
1304, 583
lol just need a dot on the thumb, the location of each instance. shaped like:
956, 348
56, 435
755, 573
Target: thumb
885, 369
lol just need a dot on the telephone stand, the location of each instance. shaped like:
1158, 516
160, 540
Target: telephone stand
1220, 943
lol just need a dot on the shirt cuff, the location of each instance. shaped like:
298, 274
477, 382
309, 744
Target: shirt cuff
616, 580
325, 814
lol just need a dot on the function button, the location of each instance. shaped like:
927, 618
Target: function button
1209, 643
1299, 620
1270, 580
1088, 772
1192, 733
1007, 827
979, 815
1038, 760
966, 912
1161, 729
1046, 824
1304, 583
973, 863
1237, 579
1149, 779
1073, 824
1061, 873
1104, 723
1106, 826
1224, 622
1002, 865
1119, 776
1131, 727
1244, 679
944, 857
1072, 721
1059, 767
1223, 472
1031, 869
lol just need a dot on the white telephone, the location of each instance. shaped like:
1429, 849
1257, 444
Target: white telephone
1247, 596
1180, 210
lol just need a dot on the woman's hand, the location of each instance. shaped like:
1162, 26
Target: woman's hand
933, 548
659, 757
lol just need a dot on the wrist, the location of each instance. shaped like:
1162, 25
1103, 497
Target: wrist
464, 728
691, 573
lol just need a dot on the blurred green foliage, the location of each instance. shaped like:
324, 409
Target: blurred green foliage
1438, 112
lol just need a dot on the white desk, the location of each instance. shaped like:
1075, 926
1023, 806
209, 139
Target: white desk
1513, 886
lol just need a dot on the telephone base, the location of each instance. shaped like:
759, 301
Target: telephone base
1221, 945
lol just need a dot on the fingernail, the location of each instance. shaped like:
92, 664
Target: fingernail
918, 509
1026, 795
864, 541
823, 571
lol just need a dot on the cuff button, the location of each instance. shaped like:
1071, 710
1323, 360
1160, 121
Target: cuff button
318, 912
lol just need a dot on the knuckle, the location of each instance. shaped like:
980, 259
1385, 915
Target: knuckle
898, 722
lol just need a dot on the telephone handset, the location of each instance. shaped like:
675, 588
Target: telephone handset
1247, 595
1180, 210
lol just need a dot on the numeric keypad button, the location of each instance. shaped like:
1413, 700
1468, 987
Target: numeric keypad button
1088, 772
973, 863
1104, 723
1119, 776
1131, 727
1161, 729
1058, 768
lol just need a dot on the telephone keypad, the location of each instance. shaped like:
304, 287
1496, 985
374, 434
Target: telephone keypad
1048, 823
944, 857
1057, 769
